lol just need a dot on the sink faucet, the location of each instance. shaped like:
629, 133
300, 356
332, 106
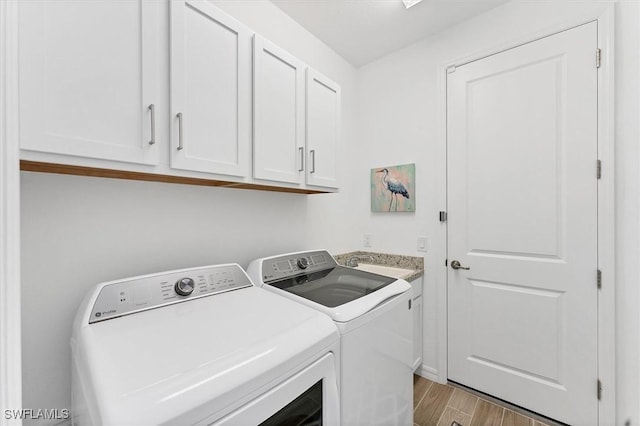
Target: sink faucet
352, 262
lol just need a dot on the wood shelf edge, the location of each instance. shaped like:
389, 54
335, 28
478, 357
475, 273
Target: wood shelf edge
65, 169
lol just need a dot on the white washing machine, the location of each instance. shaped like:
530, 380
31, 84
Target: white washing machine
373, 314
201, 346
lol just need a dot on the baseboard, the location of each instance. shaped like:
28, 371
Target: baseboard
427, 372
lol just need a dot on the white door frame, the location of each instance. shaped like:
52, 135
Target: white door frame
606, 200
10, 338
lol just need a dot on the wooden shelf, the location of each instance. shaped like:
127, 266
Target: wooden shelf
64, 169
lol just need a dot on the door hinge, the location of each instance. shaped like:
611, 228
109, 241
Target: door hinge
598, 57
443, 216
599, 390
451, 69
599, 169
599, 279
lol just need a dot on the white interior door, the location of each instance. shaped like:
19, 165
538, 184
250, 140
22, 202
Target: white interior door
522, 194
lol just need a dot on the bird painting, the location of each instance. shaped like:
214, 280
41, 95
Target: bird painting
395, 182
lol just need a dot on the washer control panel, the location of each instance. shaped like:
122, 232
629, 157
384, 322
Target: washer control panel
282, 267
128, 296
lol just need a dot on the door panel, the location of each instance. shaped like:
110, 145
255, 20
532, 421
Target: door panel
522, 190
86, 84
532, 141
323, 128
210, 87
278, 114
417, 332
497, 310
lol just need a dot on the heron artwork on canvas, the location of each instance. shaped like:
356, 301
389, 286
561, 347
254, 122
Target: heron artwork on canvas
394, 185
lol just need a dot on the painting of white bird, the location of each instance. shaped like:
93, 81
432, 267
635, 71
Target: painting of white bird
392, 188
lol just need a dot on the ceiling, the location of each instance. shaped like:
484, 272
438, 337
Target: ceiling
362, 31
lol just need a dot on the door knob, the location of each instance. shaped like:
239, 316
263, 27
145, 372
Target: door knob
456, 265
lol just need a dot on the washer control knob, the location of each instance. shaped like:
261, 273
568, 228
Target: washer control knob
303, 263
184, 286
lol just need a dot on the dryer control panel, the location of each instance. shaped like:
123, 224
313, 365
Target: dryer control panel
281, 267
131, 295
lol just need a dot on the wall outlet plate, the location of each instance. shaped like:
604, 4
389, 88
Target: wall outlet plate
422, 244
367, 240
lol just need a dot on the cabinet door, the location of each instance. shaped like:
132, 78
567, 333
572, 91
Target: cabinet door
210, 90
88, 75
417, 332
323, 130
278, 114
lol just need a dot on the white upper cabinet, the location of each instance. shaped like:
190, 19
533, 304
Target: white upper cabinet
119, 85
88, 75
323, 130
279, 104
210, 90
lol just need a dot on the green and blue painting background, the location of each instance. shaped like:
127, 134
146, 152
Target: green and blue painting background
381, 197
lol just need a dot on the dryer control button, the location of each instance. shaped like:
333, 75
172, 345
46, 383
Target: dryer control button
184, 286
303, 263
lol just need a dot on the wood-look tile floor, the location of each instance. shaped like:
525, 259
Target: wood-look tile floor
441, 405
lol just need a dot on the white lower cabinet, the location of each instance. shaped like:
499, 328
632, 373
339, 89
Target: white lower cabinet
210, 90
417, 323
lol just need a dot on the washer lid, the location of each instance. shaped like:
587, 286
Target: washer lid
193, 360
335, 286
342, 293
356, 308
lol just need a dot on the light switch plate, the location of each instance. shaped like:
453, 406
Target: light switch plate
422, 244
367, 240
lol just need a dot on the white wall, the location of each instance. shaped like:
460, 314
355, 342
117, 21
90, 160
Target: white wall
398, 113
79, 231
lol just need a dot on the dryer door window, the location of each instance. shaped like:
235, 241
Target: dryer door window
305, 410
309, 397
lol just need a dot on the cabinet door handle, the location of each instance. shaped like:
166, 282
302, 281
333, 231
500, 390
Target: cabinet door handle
301, 169
313, 161
180, 135
152, 109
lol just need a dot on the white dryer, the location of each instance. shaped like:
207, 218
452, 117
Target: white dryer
373, 314
198, 347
